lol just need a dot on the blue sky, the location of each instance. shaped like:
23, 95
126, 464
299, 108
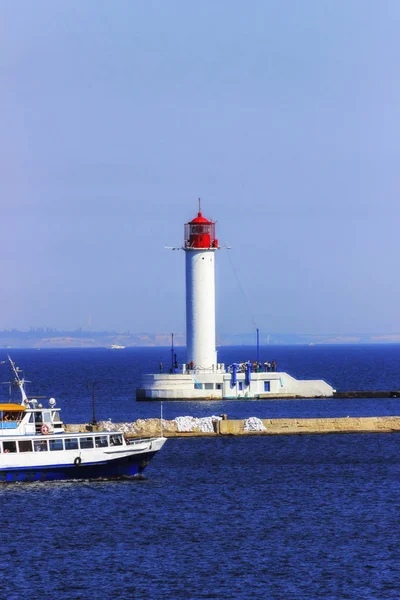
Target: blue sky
282, 116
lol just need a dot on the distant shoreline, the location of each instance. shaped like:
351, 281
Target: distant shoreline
160, 341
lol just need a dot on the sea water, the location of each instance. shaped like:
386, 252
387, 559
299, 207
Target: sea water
253, 517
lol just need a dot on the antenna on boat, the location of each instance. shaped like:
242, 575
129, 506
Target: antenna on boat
18, 381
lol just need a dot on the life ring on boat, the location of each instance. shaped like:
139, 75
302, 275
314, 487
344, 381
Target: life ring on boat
45, 429
77, 461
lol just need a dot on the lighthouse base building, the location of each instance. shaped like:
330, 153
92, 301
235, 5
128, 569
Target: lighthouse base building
202, 377
222, 385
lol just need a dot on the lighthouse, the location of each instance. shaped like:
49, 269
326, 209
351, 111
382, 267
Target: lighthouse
201, 377
200, 245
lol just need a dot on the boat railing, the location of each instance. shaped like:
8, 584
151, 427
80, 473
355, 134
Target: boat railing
135, 441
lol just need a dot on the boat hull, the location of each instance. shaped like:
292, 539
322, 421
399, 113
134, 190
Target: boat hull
127, 466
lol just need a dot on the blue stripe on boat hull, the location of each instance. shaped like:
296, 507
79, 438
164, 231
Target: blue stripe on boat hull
129, 466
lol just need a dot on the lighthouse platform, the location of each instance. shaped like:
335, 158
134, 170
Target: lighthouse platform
221, 384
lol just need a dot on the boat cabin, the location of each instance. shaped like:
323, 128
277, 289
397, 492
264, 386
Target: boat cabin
11, 415
17, 418
66, 442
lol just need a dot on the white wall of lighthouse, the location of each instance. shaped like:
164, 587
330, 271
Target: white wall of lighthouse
200, 307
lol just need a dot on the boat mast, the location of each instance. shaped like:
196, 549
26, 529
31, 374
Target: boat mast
20, 383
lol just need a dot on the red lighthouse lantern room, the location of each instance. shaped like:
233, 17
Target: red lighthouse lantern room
200, 233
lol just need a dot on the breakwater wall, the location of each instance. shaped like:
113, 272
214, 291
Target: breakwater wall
314, 426
230, 427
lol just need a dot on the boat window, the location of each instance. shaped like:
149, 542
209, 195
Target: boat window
9, 416
38, 417
46, 417
71, 444
101, 441
86, 442
116, 440
40, 445
31, 418
9, 446
25, 446
56, 445
56, 416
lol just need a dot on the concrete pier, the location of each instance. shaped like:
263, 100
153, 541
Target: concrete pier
229, 427
314, 426
367, 394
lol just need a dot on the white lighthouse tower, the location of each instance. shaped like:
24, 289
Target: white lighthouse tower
200, 246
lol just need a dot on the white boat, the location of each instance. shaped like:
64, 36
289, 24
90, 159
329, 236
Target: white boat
117, 347
35, 446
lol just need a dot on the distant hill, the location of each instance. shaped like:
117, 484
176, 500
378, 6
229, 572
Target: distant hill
275, 339
51, 338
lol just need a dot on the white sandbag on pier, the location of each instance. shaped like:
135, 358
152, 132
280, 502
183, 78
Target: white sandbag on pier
203, 424
254, 424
